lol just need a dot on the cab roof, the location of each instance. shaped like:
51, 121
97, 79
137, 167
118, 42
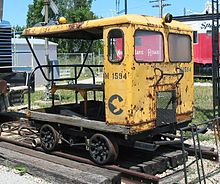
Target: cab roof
93, 29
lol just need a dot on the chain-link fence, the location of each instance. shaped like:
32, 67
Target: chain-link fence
80, 58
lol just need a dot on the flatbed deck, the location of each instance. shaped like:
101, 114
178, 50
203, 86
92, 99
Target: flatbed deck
77, 87
76, 121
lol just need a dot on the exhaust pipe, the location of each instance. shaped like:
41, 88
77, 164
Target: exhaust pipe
36, 143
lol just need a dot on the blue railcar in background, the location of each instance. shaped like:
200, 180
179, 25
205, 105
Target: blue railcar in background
5, 49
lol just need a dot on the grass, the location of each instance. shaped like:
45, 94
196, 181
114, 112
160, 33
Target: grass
202, 137
202, 80
203, 104
202, 101
38, 98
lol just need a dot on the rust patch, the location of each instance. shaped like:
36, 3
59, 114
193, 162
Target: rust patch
142, 127
3, 87
28, 113
76, 25
150, 95
184, 116
186, 89
149, 78
126, 120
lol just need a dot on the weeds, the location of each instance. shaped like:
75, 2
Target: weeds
21, 169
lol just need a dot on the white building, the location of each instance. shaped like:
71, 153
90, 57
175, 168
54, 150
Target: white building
24, 61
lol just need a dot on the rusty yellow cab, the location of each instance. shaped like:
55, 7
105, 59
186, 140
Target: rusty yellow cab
147, 86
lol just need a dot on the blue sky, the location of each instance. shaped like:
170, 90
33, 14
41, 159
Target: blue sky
15, 11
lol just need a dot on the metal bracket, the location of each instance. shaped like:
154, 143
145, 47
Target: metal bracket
145, 146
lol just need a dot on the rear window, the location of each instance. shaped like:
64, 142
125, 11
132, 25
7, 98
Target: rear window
149, 46
180, 48
115, 45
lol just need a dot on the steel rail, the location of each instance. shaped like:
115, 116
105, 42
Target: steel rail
125, 172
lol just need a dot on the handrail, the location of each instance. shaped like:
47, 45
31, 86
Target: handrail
54, 80
35, 57
84, 61
169, 74
39, 65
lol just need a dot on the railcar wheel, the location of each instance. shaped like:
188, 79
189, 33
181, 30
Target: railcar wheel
49, 137
102, 150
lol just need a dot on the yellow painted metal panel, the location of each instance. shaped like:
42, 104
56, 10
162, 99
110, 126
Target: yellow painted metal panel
100, 23
139, 90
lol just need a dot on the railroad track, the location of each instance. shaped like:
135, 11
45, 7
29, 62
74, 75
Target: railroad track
130, 176
136, 167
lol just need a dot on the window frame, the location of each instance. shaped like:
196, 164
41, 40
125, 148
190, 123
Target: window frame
148, 62
191, 53
123, 46
197, 37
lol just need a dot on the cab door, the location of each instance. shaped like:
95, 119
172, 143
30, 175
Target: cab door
115, 74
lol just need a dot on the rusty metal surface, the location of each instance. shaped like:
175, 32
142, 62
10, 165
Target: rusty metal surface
135, 97
95, 27
132, 87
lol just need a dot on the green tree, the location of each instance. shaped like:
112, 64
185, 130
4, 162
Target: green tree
18, 29
73, 11
34, 13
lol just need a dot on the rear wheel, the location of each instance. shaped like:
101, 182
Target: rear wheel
102, 150
49, 137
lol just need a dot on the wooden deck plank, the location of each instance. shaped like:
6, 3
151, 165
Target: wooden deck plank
77, 87
77, 121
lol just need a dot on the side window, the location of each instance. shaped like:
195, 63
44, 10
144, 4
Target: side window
149, 46
115, 45
180, 49
195, 36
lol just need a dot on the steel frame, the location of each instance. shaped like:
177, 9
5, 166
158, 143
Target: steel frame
215, 58
195, 130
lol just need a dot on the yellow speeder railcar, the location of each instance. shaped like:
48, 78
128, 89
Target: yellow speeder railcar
147, 84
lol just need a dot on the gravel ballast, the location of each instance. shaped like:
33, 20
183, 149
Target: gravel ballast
11, 176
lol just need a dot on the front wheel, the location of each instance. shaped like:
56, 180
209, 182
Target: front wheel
102, 150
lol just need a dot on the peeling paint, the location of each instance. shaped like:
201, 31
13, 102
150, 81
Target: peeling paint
141, 88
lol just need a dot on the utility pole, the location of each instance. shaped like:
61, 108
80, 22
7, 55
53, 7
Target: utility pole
160, 5
1, 9
45, 13
46, 19
117, 3
126, 7
118, 7
160, 8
